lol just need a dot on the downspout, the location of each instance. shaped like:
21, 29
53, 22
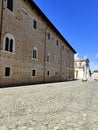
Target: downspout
69, 66
61, 63
1, 23
44, 57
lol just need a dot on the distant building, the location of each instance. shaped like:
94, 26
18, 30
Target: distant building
32, 50
82, 69
95, 74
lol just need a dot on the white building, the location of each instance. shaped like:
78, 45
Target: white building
95, 74
82, 69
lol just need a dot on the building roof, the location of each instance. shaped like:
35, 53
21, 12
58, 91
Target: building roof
95, 71
82, 60
34, 6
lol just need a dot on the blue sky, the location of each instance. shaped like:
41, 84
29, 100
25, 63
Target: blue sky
77, 21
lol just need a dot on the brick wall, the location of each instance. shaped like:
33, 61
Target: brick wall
19, 23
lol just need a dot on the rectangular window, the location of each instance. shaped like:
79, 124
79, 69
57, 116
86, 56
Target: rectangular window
11, 45
57, 42
33, 72
47, 58
34, 24
56, 73
34, 54
48, 35
7, 44
48, 73
10, 5
7, 71
62, 47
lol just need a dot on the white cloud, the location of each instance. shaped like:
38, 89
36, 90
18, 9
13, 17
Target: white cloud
96, 55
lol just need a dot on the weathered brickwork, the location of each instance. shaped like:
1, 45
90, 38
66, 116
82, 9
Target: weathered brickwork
19, 23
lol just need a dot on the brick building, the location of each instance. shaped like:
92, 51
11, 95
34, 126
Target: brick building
32, 50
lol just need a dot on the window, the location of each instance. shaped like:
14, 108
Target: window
34, 72
9, 43
62, 47
7, 71
79, 64
35, 53
57, 42
34, 24
48, 57
48, 35
48, 73
56, 73
10, 4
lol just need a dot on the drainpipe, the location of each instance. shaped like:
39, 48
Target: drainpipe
1, 23
61, 62
44, 57
69, 65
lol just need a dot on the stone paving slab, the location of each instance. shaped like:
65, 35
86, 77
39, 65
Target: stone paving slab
55, 106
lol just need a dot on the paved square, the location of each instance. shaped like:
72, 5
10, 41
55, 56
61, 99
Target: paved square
55, 106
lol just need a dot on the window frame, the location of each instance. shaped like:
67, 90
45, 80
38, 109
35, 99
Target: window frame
11, 43
35, 53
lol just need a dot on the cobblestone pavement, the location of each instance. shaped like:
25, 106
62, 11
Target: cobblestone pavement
55, 106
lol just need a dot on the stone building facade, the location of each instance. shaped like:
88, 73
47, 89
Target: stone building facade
82, 69
32, 50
